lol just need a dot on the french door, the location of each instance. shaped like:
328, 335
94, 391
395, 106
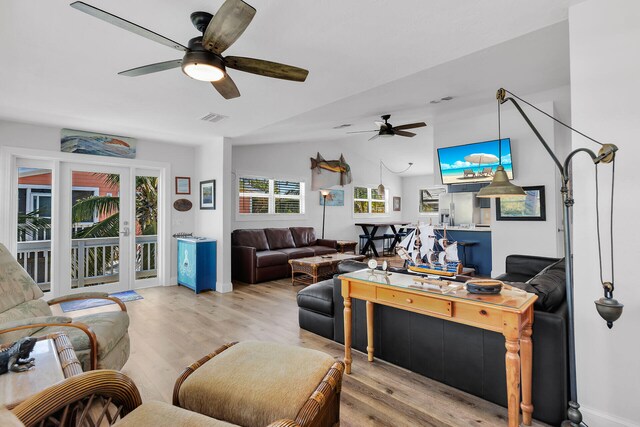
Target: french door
97, 228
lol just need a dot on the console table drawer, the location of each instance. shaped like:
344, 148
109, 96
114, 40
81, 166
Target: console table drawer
479, 315
413, 301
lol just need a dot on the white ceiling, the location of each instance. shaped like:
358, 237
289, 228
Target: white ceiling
59, 65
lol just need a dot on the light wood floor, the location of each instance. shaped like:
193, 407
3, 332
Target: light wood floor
172, 327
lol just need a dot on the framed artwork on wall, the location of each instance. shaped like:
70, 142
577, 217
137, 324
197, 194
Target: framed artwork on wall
183, 185
208, 194
397, 204
529, 208
335, 198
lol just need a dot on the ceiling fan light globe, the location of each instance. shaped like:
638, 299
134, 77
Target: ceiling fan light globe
203, 66
203, 72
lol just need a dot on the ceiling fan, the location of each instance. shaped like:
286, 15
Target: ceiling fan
203, 59
387, 129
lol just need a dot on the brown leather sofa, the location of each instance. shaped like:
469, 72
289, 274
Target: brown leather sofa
259, 255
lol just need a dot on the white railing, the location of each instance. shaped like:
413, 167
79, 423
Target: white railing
93, 261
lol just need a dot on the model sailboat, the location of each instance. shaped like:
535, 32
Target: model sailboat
418, 250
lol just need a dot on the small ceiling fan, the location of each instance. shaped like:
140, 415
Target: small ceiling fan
387, 129
203, 59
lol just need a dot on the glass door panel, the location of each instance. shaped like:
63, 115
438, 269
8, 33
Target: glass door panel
97, 219
34, 223
146, 228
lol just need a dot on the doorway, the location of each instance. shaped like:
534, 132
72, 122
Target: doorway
87, 226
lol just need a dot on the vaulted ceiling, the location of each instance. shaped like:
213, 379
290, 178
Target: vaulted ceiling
59, 66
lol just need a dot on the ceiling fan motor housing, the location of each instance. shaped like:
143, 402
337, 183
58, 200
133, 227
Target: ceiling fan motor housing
198, 55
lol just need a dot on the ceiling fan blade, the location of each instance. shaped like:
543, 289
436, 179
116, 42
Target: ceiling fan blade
363, 131
233, 17
226, 87
151, 68
410, 126
373, 137
126, 25
403, 132
267, 68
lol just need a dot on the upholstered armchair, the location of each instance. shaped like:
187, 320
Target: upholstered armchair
101, 341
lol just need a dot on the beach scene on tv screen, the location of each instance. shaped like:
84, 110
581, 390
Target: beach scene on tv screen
474, 162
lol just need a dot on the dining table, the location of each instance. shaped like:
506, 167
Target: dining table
371, 229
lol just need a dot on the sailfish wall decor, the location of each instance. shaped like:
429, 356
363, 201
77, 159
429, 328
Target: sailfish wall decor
329, 173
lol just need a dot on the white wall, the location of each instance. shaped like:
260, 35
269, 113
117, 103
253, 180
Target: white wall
181, 158
292, 161
213, 161
531, 163
411, 186
605, 88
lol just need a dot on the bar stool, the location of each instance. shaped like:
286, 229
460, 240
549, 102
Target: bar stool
387, 250
464, 245
363, 241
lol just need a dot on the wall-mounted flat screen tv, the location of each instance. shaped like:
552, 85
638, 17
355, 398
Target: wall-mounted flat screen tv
475, 162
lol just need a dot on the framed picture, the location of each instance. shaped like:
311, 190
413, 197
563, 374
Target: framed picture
529, 208
208, 194
397, 204
183, 185
335, 198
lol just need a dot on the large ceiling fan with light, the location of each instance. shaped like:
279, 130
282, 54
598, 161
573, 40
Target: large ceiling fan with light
203, 58
387, 129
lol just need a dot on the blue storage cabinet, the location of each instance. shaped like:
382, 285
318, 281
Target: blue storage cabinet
197, 264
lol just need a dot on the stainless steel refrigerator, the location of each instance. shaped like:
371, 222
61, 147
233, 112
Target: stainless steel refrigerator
459, 208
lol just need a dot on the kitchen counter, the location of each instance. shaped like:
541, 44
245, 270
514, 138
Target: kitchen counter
458, 228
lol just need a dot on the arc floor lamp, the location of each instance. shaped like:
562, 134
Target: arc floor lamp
608, 308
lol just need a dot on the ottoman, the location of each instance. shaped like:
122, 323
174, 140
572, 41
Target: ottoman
255, 383
315, 308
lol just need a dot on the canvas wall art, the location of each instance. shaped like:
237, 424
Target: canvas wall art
397, 204
97, 144
335, 198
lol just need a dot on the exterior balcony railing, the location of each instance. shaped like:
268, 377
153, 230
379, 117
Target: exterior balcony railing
93, 261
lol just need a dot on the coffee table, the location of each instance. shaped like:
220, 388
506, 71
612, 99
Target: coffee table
309, 270
55, 361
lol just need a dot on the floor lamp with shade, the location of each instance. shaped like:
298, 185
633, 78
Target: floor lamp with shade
324, 194
608, 308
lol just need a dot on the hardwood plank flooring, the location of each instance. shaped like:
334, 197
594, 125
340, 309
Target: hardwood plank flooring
172, 327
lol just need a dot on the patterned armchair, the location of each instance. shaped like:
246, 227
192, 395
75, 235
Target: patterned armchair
101, 341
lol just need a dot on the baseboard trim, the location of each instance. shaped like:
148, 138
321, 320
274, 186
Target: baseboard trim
224, 288
172, 281
594, 418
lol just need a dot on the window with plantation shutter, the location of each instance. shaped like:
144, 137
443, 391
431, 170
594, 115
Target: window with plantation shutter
265, 196
369, 201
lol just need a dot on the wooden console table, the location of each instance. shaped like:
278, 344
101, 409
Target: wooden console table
510, 313
55, 361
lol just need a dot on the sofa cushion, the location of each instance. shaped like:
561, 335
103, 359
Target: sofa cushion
350, 266
317, 297
255, 383
109, 327
16, 286
26, 310
322, 250
549, 285
269, 258
295, 253
252, 238
279, 238
160, 414
303, 236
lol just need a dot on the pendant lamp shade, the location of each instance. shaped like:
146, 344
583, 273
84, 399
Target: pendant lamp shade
500, 186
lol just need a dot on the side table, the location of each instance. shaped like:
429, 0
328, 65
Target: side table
345, 246
55, 361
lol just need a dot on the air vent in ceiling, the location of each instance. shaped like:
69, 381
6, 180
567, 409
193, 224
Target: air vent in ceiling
213, 117
437, 101
344, 125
